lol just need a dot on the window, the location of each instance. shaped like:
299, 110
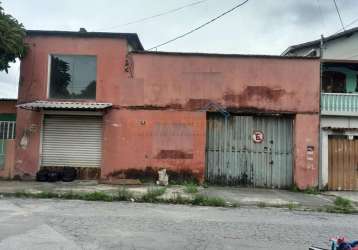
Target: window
73, 77
333, 82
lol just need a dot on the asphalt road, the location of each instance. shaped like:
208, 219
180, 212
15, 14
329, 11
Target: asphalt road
53, 224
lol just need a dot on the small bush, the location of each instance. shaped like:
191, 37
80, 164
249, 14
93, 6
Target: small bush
309, 190
124, 195
261, 204
202, 200
342, 202
97, 196
153, 193
191, 188
292, 206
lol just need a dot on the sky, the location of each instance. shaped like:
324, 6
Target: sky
258, 27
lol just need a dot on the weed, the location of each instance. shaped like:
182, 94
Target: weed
191, 188
261, 204
153, 193
97, 196
311, 190
342, 202
124, 195
203, 200
341, 205
292, 206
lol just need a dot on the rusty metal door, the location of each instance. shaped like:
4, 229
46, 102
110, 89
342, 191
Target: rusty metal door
343, 163
234, 156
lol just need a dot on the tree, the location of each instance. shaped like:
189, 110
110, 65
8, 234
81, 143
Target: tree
12, 34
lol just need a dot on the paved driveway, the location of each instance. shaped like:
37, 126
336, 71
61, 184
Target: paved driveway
54, 224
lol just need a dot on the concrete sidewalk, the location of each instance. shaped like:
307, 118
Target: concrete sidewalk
238, 195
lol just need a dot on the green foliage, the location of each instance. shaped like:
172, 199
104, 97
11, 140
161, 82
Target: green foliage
342, 202
11, 40
341, 205
153, 193
97, 196
124, 195
261, 204
309, 190
191, 188
202, 200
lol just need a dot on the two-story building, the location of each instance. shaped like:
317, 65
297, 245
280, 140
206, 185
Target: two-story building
100, 103
339, 106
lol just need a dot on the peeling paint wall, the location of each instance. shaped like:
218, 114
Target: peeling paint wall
7, 106
240, 83
306, 150
156, 139
111, 57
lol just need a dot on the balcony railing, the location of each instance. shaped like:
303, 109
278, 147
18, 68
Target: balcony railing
339, 104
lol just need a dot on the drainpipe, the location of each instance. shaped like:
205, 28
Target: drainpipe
319, 119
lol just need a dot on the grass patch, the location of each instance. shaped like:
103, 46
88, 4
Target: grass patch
309, 190
153, 193
191, 188
341, 205
203, 200
292, 206
124, 195
342, 202
98, 196
261, 204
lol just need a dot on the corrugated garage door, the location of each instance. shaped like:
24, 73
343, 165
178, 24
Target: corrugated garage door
73, 141
343, 163
234, 156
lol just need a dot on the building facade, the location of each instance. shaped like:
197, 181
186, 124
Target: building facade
339, 107
102, 104
7, 136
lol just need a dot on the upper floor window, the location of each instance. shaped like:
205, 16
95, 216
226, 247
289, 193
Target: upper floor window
333, 82
73, 77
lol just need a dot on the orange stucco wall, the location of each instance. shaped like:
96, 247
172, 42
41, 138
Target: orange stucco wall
110, 55
240, 83
7, 106
156, 139
306, 150
28, 127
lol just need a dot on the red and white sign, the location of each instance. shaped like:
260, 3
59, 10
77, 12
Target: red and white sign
258, 136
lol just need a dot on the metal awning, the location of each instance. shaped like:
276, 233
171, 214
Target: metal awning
59, 105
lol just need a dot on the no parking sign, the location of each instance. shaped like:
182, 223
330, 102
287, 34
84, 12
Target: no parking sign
258, 136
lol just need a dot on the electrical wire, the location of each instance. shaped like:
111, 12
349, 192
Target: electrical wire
351, 23
201, 26
154, 16
339, 14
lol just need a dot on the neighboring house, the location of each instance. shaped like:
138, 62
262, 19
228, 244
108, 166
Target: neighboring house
100, 103
7, 135
339, 107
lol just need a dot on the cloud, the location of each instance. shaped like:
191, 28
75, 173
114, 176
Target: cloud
259, 27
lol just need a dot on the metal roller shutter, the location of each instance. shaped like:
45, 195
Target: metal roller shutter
73, 141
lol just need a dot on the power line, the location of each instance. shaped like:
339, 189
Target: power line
201, 26
339, 14
156, 15
351, 23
